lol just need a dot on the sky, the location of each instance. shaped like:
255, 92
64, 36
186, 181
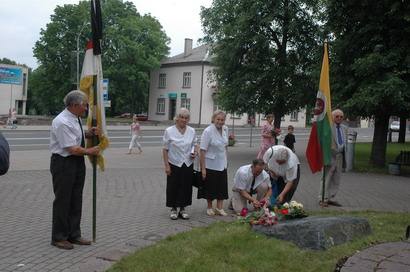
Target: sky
22, 20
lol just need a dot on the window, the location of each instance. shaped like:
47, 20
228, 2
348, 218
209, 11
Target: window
161, 106
186, 80
162, 83
294, 116
186, 103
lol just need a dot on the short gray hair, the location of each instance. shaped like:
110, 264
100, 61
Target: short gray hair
75, 97
216, 113
182, 112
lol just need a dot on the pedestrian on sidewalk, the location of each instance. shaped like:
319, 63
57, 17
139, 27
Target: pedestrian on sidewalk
178, 154
67, 167
333, 171
289, 140
135, 132
214, 164
268, 139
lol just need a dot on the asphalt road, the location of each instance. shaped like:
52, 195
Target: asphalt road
22, 139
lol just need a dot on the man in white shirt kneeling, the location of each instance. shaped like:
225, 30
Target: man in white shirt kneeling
249, 180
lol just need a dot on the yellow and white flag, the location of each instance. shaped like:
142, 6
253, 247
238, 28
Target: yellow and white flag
92, 67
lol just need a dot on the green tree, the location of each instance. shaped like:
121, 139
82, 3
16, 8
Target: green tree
371, 52
132, 46
263, 53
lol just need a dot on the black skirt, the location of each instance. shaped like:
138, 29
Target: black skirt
179, 186
215, 185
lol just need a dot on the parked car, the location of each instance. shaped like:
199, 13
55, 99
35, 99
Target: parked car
395, 126
142, 117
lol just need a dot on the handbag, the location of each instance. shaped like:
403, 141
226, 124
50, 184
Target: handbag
197, 176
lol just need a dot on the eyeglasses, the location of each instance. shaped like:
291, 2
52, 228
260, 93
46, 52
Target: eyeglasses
338, 116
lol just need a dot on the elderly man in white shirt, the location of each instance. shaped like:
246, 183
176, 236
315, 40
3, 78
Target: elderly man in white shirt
250, 179
67, 167
283, 167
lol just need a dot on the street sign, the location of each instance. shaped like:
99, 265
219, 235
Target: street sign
107, 103
183, 95
105, 82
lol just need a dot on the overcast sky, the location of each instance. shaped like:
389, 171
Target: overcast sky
22, 20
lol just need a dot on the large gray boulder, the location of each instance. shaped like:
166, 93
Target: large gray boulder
317, 232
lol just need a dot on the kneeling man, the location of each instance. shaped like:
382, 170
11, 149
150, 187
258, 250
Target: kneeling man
249, 180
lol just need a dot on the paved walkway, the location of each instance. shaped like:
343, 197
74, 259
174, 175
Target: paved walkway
392, 257
131, 207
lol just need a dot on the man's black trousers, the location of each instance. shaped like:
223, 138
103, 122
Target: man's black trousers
68, 175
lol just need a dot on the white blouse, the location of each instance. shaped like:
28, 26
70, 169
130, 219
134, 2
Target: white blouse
179, 146
288, 170
215, 146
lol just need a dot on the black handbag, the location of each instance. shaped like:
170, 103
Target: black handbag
197, 179
197, 175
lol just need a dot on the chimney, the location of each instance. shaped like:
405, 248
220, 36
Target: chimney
188, 47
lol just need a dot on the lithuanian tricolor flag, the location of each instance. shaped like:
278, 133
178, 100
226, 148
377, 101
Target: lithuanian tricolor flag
318, 151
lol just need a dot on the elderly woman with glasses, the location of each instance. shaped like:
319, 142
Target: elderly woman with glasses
283, 167
178, 153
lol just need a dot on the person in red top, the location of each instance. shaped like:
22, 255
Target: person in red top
135, 132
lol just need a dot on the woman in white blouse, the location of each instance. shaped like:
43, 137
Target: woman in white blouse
178, 154
213, 159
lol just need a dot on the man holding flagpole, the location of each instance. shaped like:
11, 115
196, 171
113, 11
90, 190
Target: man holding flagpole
67, 167
334, 170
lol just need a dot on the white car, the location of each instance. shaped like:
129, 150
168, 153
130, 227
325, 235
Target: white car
395, 126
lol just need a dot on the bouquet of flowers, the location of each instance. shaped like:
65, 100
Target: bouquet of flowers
275, 132
263, 216
290, 210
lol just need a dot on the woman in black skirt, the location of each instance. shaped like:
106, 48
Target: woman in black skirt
213, 159
178, 154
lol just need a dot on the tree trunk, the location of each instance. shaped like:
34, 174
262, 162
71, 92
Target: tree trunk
277, 120
402, 132
378, 154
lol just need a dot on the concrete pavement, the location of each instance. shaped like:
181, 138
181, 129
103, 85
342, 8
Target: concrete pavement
131, 209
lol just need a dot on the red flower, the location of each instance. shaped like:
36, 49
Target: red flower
284, 211
244, 212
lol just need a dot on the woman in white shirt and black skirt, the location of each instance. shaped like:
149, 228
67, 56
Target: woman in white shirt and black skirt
178, 154
213, 159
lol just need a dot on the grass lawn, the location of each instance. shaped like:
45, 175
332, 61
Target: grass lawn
362, 155
234, 247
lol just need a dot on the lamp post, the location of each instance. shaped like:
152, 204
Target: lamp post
78, 56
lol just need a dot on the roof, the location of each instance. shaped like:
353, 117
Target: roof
198, 54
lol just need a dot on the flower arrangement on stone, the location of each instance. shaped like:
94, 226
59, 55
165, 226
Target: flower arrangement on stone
262, 216
290, 210
231, 139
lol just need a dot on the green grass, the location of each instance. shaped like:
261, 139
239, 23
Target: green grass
234, 247
362, 155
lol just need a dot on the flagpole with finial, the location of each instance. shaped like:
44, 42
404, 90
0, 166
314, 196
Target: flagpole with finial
96, 25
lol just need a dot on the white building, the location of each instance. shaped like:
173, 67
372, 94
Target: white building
184, 81
13, 88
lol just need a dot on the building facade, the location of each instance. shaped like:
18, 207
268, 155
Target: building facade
13, 88
184, 81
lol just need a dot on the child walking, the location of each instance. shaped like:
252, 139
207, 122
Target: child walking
135, 132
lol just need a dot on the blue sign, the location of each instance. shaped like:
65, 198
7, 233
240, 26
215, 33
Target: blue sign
10, 75
105, 83
172, 95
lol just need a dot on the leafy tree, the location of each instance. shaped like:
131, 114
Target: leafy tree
263, 53
371, 52
132, 46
